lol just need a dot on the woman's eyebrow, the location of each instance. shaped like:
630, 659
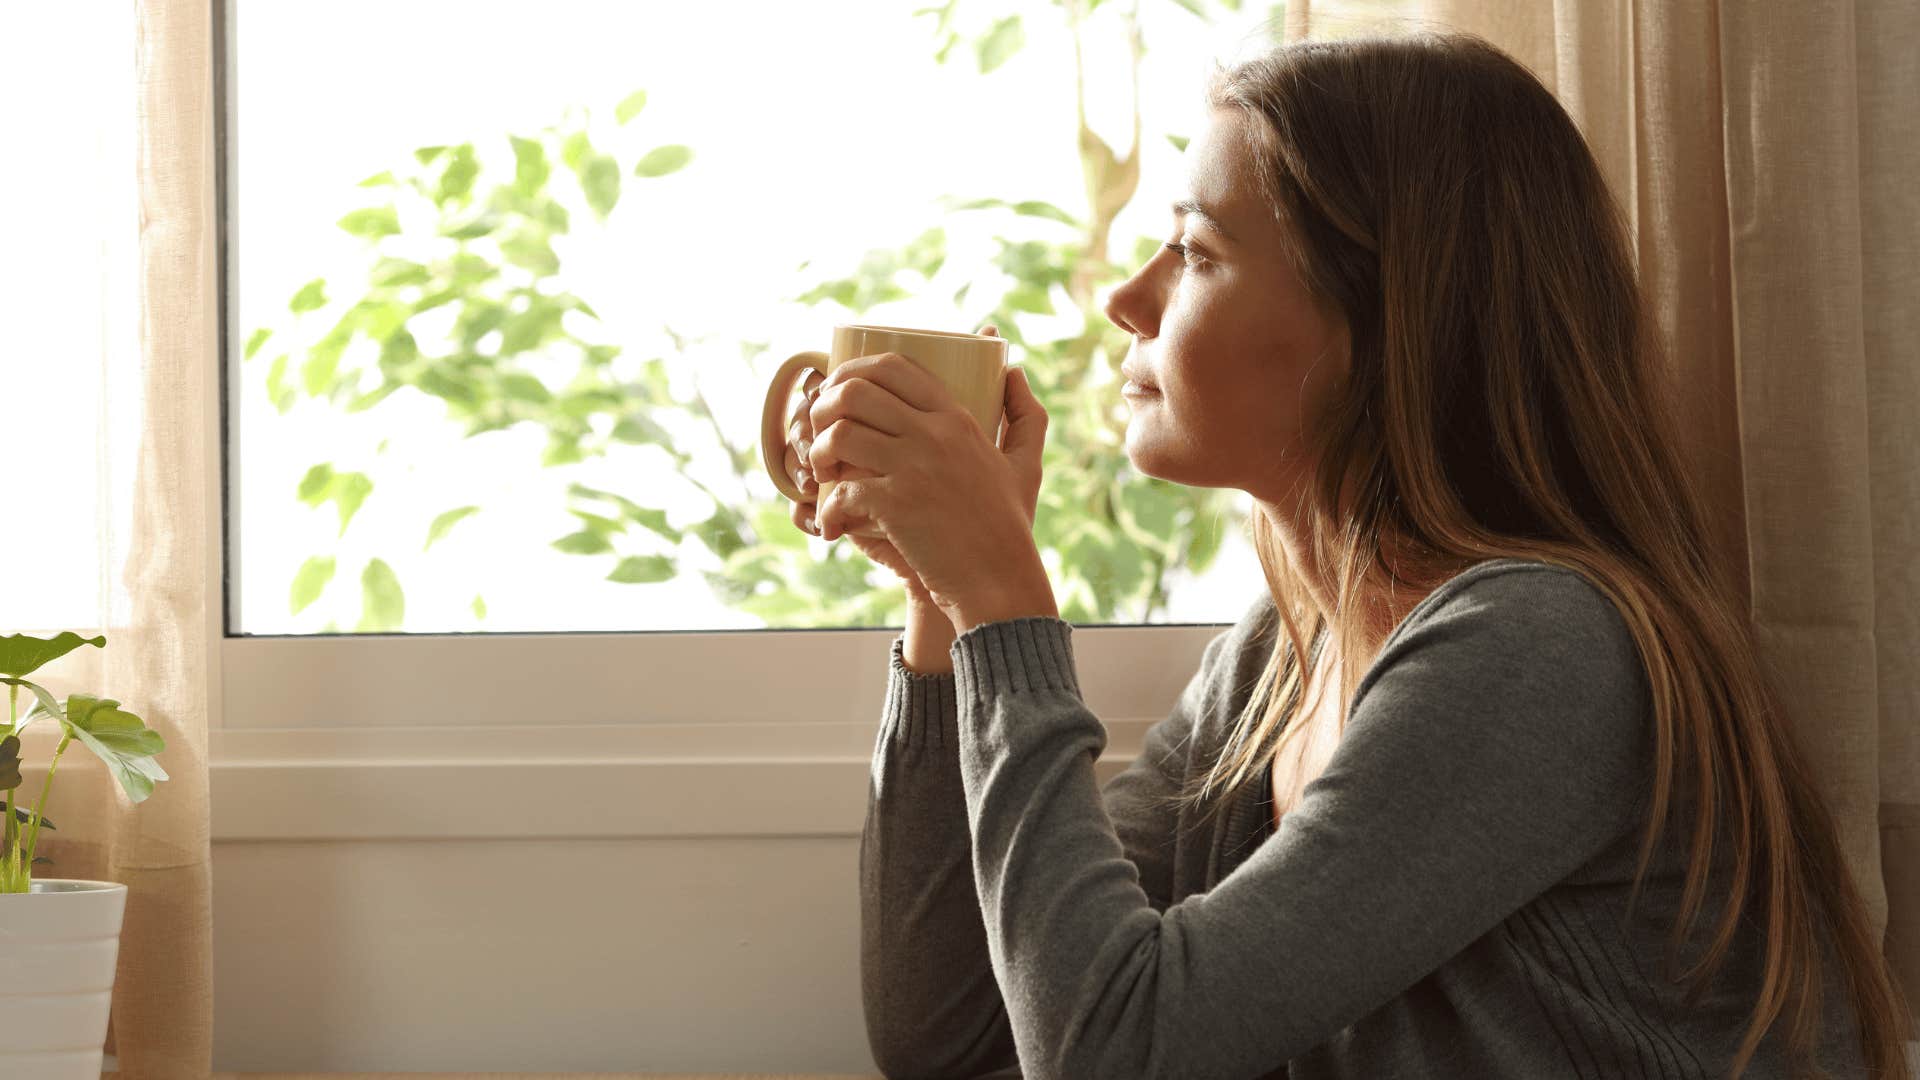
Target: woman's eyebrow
1207, 217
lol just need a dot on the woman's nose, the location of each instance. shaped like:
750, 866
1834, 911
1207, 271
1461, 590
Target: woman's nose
1128, 307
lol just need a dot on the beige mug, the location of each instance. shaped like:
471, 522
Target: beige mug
972, 366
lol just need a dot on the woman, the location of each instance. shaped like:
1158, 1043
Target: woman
1401, 313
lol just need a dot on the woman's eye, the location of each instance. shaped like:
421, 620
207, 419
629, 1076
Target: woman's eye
1186, 255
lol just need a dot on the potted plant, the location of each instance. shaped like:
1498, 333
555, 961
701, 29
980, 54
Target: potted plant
59, 938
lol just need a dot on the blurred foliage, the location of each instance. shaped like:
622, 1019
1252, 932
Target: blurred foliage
442, 231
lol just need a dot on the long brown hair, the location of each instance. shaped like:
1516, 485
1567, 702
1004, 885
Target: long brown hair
1505, 399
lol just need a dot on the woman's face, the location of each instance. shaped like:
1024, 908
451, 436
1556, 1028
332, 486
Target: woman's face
1238, 356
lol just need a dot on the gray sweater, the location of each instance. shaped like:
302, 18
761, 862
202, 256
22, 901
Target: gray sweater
1447, 900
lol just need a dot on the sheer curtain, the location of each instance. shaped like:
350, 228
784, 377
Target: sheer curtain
113, 422
1766, 154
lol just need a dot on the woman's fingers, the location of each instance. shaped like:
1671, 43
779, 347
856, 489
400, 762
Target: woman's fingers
799, 443
798, 469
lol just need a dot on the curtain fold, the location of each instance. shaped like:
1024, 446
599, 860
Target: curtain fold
1765, 158
161, 849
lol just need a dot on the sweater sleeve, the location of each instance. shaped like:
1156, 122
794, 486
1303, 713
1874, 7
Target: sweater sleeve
933, 1007
1498, 741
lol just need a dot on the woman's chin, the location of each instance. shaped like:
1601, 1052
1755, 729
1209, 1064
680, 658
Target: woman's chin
1139, 454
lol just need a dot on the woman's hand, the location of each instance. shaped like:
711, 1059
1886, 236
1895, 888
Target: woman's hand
910, 460
800, 436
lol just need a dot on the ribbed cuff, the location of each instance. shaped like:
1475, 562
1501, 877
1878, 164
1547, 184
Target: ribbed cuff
921, 709
1033, 652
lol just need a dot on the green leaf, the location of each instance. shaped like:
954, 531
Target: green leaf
635, 428
1209, 529
372, 223
584, 542
47, 706
654, 521
520, 386
530, 165
574, 150
926, 252
1002, 41
314, 485
347, 490
379, 179
323, 361
479, 607
1193, 6
383, 604
457, 181
426, 154
605, 526
530, 250
646, 517
310, 582
380, 320
531, 329
258, 339
1179, 142
630, 106
1030, 297
278, 391
21, 813
600, 181
312, 295
642, 570
585, 492
20, 655
363, 402
1037, 208
662, 160
445, 523
120, 739
390, 273
436, 381
475, 227
1151, 506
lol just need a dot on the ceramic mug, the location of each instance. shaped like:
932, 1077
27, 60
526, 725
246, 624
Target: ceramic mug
973, 367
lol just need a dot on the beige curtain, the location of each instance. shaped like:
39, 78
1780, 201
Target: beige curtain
1767, 156
161, 614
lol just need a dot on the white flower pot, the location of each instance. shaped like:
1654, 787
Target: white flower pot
58, 946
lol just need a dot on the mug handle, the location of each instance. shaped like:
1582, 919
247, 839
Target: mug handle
773, 425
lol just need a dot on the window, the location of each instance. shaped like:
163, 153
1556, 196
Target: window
504, 283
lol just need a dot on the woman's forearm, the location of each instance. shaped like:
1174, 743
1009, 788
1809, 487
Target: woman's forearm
927, 649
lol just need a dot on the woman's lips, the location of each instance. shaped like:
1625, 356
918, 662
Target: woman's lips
1136, 385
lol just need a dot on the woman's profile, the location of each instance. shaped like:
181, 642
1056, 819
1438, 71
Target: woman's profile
1489, 781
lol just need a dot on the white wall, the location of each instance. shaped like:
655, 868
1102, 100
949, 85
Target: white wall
695, 954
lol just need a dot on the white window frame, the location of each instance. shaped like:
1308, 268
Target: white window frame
547, 735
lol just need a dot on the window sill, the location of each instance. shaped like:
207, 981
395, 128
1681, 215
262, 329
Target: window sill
508, 736
548, 782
